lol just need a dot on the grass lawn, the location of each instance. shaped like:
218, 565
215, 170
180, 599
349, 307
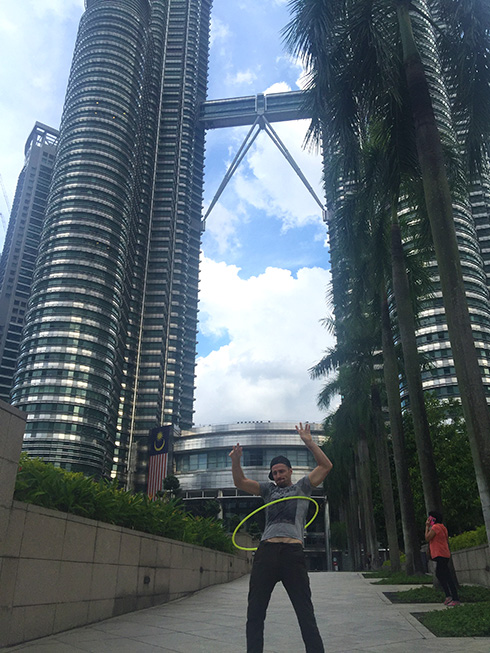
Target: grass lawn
471, 620
467, 594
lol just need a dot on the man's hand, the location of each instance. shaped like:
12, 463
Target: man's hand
304, 433
236, 453
239, 478
324, 465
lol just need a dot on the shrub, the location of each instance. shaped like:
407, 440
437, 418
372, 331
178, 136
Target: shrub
387, 563
51, 487
468, 539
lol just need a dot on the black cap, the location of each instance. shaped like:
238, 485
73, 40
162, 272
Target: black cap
279, 460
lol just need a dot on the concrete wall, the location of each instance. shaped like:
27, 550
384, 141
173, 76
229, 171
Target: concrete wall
59, 571
473, 565
12, 427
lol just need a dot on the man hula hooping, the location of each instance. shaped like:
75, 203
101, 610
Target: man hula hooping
280, 555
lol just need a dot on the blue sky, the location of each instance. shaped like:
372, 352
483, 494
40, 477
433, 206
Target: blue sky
265, 265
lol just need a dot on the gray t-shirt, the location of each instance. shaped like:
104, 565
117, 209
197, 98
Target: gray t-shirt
287, 518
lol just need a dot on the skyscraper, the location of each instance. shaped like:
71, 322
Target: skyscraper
21, 245
471, 217
109, 345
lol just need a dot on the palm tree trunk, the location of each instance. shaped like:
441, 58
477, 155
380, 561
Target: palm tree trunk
406, 324
371, 540
353, 530
385, 480
407, 511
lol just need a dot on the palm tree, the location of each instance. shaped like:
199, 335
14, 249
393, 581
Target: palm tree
387, 170
347, 430
362, 248
360, 268
342, 486
407, 509
362, 54
384, 473
354, 360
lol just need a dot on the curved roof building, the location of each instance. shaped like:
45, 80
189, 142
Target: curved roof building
203, 465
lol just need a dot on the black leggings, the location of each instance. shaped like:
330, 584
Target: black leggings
444, 576
275, 562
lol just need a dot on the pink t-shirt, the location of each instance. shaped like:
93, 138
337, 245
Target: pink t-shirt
439, 545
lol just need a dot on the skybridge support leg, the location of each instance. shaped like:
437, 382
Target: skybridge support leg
260, 123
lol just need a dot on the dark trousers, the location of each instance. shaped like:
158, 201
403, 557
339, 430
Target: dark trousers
443, 574
275, 562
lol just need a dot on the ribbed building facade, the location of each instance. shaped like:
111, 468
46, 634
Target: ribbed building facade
108, 349
21, 246
472, 220
472, 224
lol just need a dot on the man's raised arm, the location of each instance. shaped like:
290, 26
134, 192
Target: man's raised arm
239, 478
324, 465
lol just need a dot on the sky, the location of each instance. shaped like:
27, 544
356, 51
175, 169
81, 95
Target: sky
265, 274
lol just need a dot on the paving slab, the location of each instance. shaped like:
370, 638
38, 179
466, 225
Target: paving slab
353, 615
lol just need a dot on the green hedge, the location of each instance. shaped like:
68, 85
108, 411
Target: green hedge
51, 487
468, 539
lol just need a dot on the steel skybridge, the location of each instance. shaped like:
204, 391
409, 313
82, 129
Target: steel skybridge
236, 112
259, 111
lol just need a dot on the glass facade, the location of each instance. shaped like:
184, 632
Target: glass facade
471, 216
108, 349
21, 246
201, 460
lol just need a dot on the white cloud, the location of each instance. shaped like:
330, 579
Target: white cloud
242, 77
271, 184
278, 87
220, 31
221, 225
36, 45
275, 336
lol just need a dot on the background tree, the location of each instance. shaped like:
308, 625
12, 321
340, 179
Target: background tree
461, 504
356, 51
171, 486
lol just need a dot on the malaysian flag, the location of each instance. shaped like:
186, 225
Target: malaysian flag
159, 438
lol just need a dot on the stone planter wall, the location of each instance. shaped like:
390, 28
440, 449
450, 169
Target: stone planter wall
473, 565
60, 571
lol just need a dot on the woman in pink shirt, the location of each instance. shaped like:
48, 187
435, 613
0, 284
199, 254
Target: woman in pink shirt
437, 537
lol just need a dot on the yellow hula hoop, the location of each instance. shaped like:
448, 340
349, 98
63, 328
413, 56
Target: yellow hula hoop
243, 548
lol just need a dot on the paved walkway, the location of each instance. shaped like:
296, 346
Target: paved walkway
353, 615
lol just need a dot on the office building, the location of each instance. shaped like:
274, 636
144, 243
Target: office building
21, 245
108, 350
471, 217
472, 220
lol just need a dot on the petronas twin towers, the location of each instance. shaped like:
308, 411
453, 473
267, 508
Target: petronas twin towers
108, 347
108, 350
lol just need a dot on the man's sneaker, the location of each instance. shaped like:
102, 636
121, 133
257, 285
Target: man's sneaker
453, 604
448, 600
